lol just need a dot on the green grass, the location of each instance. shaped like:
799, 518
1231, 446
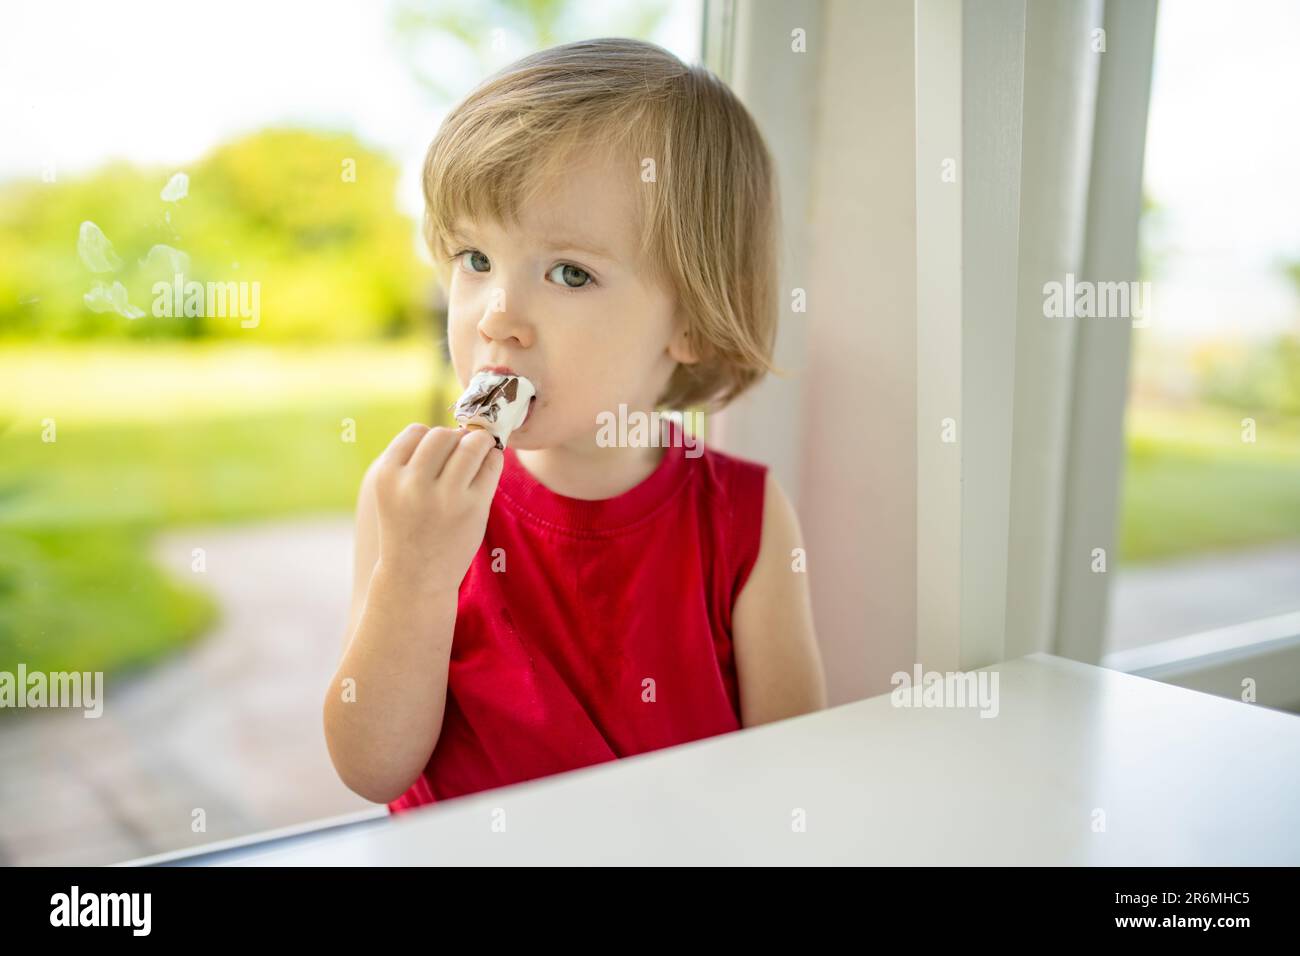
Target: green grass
146, 439
218, 470
163, 383
1192, 486
89, 600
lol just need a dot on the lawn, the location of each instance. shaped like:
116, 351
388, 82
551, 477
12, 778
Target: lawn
1191, 485
146, 439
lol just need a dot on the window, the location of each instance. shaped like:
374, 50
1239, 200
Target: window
178, 472
1210, 523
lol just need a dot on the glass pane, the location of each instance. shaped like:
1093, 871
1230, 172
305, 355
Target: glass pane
179, 469
1210, 531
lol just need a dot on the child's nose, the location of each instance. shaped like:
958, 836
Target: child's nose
504, 318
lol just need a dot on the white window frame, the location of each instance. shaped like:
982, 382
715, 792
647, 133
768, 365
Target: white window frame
1048, 133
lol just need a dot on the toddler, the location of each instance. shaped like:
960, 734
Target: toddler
604, 218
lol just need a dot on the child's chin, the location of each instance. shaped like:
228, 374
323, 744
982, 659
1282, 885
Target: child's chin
523, 442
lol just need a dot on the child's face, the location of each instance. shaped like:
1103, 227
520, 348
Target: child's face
559, 298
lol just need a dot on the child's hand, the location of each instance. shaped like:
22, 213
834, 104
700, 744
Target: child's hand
433, 489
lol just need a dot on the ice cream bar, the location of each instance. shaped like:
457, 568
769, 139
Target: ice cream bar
496, 403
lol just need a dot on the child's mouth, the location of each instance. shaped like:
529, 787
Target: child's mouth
491, 402
528, 414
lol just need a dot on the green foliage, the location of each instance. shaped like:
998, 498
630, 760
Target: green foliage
433, 33
1266, 381
334, 257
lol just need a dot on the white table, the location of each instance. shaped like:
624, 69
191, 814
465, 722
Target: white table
1182, 778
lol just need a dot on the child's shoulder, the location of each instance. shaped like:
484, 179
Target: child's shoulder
733, 474
725, 462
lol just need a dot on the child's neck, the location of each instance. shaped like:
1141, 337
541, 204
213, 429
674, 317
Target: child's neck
591, 473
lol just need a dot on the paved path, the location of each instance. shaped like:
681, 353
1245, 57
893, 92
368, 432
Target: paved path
231, 725
1201, 594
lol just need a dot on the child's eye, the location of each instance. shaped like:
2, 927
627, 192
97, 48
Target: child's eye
571, 277
469, 263
567, 276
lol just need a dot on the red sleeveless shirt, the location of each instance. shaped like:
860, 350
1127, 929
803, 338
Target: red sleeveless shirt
591, 630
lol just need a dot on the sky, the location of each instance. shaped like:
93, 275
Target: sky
1223, 162
148, 81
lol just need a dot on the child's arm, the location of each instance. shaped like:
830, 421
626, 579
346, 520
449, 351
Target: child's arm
421, 515
777, 661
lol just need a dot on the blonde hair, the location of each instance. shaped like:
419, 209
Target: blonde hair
708, 221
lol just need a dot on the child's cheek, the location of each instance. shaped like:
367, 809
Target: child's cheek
460, 341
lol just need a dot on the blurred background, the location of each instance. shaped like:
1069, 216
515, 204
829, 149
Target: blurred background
1210, 515
176, 492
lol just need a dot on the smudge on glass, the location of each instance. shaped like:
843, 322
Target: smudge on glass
177, 188
95, 249
102, 298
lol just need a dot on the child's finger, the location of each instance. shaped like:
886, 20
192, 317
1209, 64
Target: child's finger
400, 448
490, 471
464, 463
435, 448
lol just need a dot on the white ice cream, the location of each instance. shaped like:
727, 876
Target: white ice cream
499, 403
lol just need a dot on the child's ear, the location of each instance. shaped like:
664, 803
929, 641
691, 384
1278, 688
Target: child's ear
681, 348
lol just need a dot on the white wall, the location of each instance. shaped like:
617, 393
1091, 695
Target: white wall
842, 435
